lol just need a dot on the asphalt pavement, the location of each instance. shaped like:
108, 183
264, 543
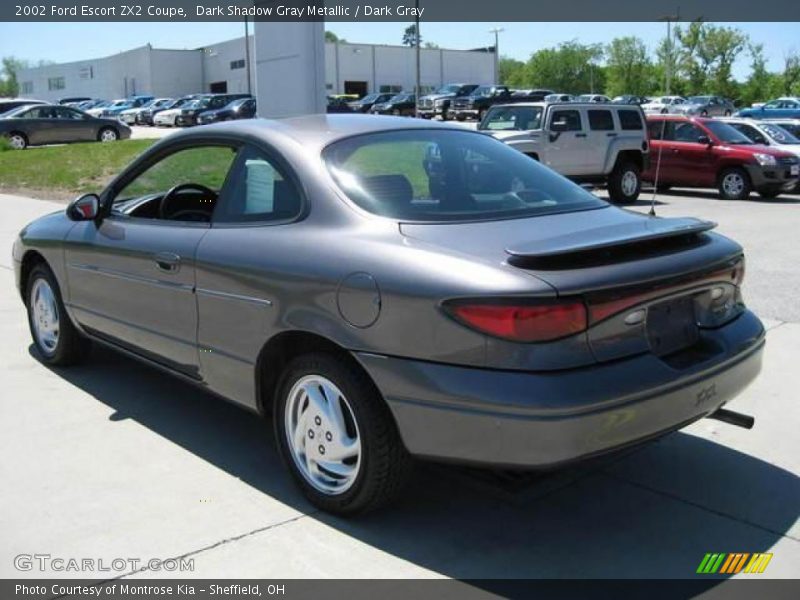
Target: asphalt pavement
114, 459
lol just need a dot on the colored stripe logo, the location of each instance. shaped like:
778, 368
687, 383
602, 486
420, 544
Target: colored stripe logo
734, 562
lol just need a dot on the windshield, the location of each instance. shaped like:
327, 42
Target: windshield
481, 91
699, 99
370, 98
585, 97
402, 98
793, 128
727, 134
779, 134
515, 118
16, 112
447, 175
119, 103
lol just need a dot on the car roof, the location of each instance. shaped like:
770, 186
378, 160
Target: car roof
314, 132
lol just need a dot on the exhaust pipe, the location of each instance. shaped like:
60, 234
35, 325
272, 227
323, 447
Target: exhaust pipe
733, 418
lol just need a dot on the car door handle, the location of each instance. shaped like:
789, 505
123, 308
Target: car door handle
611, 134
580, 135
168, 261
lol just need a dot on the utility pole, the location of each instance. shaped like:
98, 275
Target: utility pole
496, 31
668, 66
417, 85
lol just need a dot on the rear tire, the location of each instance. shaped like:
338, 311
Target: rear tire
734, 184
17, 140
625, 183
107, 134
55, 337
313, 431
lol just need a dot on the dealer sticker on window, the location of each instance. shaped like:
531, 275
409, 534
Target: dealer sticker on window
795, 170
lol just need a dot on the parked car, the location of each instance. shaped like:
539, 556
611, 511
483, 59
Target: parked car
55, 124
533, 95
629, 99
9, 104
592, 98
114, 108
148, 115
73, 100
706, 106
476, 103
87, 104
338, 104
135, 116
364, 104
490, 312
188, 114
402, 104
587, 142
782, 108
438, 103
241, 108
663, 104
551, 98
709, 153
768, 133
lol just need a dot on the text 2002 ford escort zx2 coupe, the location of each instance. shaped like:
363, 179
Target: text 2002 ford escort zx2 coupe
390, 288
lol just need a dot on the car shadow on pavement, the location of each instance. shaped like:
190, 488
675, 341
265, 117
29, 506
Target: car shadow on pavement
653, 511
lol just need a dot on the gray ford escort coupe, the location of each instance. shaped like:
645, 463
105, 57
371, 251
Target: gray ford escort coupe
389, 288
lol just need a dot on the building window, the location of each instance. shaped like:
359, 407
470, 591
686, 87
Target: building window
237, 64
27, 87
55, 83
391, 89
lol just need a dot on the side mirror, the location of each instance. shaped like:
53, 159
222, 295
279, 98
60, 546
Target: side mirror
84, 208
704, 139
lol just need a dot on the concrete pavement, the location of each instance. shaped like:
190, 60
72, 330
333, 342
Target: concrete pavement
114, 459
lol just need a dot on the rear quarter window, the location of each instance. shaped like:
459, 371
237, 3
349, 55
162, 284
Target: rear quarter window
630, 120
601, 120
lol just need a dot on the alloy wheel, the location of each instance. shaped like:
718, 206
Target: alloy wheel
733, 184
322, 435
108, 135
17, 142
629, 183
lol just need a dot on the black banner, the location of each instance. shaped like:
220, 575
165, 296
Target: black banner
400, 10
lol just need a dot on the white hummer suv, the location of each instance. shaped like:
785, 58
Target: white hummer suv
587, 142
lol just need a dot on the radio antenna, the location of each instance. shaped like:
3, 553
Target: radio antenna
658, 168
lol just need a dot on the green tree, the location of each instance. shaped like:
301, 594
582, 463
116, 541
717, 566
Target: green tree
707, 54
410, 36
791, 74
756, 88
571, 68
9, 85
628, 67
332, 37
512, 72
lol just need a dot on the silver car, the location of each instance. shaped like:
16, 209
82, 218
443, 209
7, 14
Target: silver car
706, 106
389, 288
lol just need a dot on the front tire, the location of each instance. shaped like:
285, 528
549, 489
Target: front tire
56, 339
18, 141
625, 183
337, 437
734, 184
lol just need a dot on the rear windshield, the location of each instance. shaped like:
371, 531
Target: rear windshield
443, 175
515, 118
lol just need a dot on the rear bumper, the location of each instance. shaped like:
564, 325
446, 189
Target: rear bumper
542, 419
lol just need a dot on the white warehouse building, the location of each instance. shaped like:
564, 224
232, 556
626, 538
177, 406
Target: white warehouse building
349, 69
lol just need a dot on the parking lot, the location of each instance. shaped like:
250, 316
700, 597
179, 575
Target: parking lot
115, 459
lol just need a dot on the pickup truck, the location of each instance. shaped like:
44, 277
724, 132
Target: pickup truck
479, 101
587, 142
438, 103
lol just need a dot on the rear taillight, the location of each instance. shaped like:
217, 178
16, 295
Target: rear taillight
521, 322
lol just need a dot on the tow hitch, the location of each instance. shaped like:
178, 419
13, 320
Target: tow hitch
733, 418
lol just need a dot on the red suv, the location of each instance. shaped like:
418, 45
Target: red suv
701, 152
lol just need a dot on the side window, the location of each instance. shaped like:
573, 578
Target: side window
40, 112
630, 120
566, 120
662, 129
258, 191
204, 165
67, 113
687, 132
601, 120
751, 132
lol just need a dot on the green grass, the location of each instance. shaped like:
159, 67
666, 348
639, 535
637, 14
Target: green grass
69, 170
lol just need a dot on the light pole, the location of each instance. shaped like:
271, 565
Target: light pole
417, 83
247, 56
668, 67
496, 31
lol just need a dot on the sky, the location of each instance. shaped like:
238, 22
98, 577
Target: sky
64, 42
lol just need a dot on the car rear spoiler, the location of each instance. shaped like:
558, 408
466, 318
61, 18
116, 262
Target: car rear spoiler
613, 243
